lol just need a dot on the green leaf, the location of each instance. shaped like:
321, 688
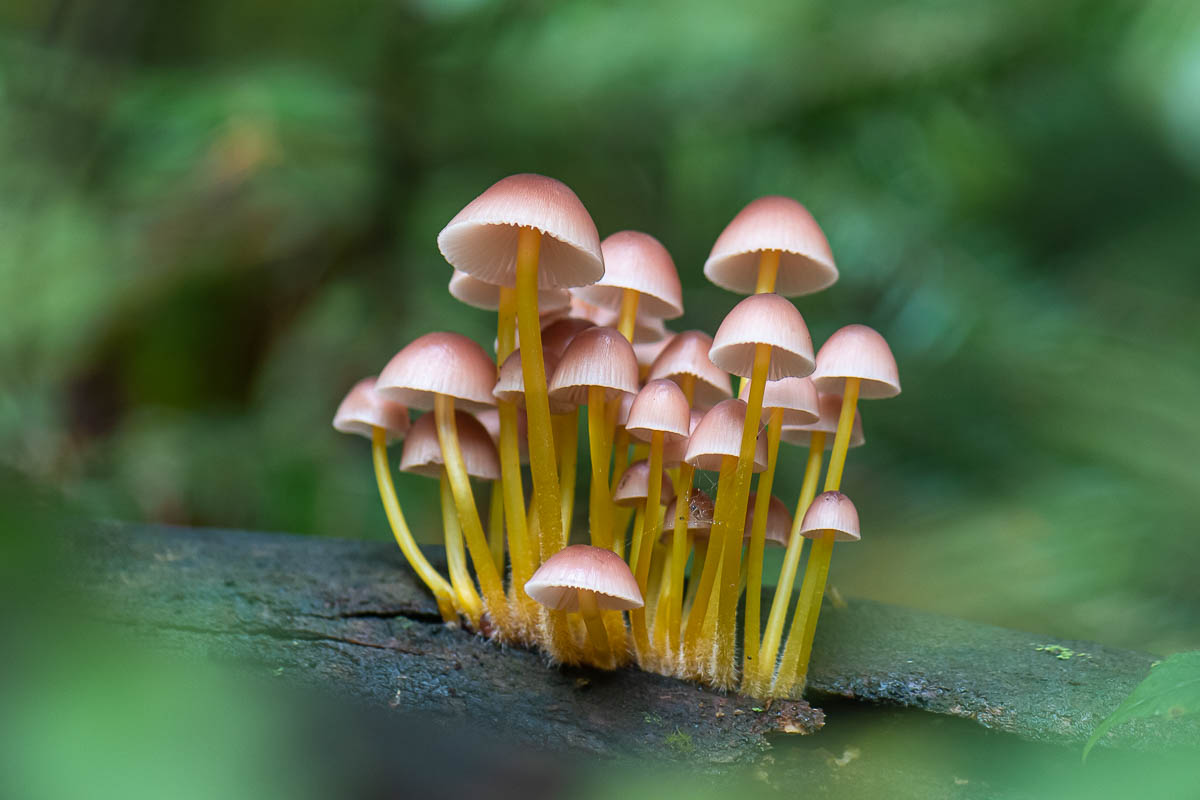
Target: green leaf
1172, 689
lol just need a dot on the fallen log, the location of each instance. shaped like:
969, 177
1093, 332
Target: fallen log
350, 616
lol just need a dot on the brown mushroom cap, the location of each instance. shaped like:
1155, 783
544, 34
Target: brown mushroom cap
638, 261
634, 485
857, 351
486, 296
764, 319
558, 334
797, 397
363, 410
779, 521
481, 240
659, 407
673, 452
831, 511
687, 354
647, 352
556, 583
439, 364
830, 406
772, 223
700, 515
719, 434
595, 357
422, 455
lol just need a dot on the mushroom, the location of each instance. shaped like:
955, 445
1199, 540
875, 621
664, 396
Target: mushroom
787, 400
772, 245
816, 437
588, 580
638, 275
855, 361
365, 413
597, 367
631, 492
422, 455
685, 360
831, 517
530, 232
717, 444
659, 414
436, 371
762, 338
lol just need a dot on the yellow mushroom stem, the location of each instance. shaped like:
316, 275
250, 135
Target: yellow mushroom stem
663, 603
768, 271
627, 317
651, 526
734, 523
456, 558
679, 554
769, 650
621, 514
443, 593
699, 552
754, 555
468, 515
635, 541
597, 635
600, 507
520, 548
793, 672
542, 467
496, 524
692, 634
566, 439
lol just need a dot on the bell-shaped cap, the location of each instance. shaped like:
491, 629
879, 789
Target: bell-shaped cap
719, 434
764, 319
558, 334
637, 261
779, 521
595, 357
772, 223
363, 410
674, 452
556, 584
857, 351
625, 408
797, 397
634, 485
830, 406
422, 455
489, 418
486, 296
439, 364
647, 352
481, 240
659, 407
700, 515
510, 385
831, 511
687, 354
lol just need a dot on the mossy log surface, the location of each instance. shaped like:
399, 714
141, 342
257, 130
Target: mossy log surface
350, 616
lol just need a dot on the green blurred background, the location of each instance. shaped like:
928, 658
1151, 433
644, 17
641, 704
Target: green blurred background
215, 216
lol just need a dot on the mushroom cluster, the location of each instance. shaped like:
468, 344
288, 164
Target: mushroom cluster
581, 324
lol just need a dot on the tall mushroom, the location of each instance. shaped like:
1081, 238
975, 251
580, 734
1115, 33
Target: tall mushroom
659, 414
855, 362
791, 401
638, 275
817, 437
529, 231
365, 413
763, 338
436, 371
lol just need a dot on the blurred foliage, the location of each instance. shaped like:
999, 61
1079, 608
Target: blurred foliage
215, 216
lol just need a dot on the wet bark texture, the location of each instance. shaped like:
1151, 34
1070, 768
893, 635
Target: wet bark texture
351, 617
